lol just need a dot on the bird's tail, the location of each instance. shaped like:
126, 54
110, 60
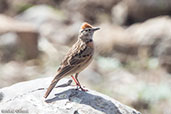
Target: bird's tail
52, 85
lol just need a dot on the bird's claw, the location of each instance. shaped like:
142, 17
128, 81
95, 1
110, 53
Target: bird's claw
82, 89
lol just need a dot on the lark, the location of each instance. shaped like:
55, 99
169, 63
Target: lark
77, 58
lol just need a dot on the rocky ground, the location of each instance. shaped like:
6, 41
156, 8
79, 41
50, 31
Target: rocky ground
64, 99
132, 62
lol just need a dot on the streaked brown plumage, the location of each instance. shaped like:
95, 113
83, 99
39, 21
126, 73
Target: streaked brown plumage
77, 58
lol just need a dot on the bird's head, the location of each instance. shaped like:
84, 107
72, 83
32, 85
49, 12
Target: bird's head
87, 31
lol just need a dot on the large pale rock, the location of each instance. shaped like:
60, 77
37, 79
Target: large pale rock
28, 97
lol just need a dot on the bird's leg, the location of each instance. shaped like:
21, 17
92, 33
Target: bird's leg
75, 80
76, 77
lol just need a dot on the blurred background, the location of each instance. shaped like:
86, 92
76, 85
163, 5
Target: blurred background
132, 62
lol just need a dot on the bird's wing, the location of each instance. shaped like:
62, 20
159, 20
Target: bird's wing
74, 58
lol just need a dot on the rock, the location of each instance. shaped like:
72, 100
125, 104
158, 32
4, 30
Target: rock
113, 40
120, 13
113, 37
40, 14
3, 6
9, 24
154, 36
152, 31
163, 51
17, 72
8, 46
19, 37
148, 39
141, 10
16, 7
98, 8
52, 24
63, 100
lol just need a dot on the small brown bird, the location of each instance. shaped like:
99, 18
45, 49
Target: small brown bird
77, 58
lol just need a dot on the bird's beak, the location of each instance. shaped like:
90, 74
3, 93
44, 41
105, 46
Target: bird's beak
94, 29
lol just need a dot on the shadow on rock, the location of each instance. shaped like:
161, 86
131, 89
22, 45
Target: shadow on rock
1, 96
86, 98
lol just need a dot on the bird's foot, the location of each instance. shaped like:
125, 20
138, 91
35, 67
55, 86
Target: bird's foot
82, 89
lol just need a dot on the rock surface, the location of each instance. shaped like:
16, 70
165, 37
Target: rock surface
28, 97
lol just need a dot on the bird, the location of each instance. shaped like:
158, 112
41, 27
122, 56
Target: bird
77, 58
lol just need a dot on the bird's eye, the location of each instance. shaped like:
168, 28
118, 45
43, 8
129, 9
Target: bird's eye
88, 30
